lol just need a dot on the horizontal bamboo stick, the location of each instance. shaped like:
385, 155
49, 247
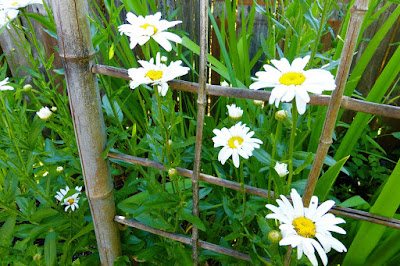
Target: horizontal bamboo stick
321, 100
343, 211
183, 239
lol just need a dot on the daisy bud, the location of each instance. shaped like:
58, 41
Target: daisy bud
27, 87
164, 59
169, 142
224, 84
37, 257
59, 169
281, 169
281, 115
235, 112
44, 113
274, 236
258, 102
172, 172
53, 109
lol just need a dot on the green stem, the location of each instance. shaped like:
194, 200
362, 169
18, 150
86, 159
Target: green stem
241, 170
277, 136
291, 144
11, 134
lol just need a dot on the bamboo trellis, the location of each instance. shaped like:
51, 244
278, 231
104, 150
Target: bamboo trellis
77, 53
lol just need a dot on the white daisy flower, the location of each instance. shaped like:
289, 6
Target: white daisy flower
44, 113
290, 81
15, 4
72, 202
281, 169
61, 194
301, 227
235, 112
7, 15
3, 86
156, 74
140, 29
236, 141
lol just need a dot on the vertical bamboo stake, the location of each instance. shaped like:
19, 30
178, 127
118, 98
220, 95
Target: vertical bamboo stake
76, 50
358, 11
201, 105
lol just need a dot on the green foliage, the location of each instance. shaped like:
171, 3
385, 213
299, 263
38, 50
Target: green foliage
35, 229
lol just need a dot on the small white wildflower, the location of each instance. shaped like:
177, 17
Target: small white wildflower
281, 169
3, 86
59, 169
156, 74
44, 113
72, 202
60, 194
235, 141
140, 29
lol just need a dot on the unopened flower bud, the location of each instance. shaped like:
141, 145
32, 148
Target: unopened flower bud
27, 87
274, 236
281, 169
164, 59
37, 257
258, 102
44, 113
281, 115
53, 109
224, 84
59, 169
169, 142
235, 112
172, 172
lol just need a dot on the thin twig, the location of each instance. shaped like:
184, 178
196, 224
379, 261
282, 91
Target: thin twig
201, 105
215, 90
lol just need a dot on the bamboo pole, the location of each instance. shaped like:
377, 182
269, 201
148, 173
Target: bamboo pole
201, 105
215, 90
343, 211
358, 11
184, 239
77, 53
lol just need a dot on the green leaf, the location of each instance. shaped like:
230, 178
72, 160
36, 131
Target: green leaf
88, 228
153, 221
50, 248
187, 215
369, 234
354, 202
327, 180
42, 213
262, 223
6, 233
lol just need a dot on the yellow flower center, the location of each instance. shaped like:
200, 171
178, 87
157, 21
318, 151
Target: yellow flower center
14, 4
232, 140
304, 227
71, 201
145, 26
154, 74
292, 78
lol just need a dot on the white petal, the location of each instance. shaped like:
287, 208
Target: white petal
282, 65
